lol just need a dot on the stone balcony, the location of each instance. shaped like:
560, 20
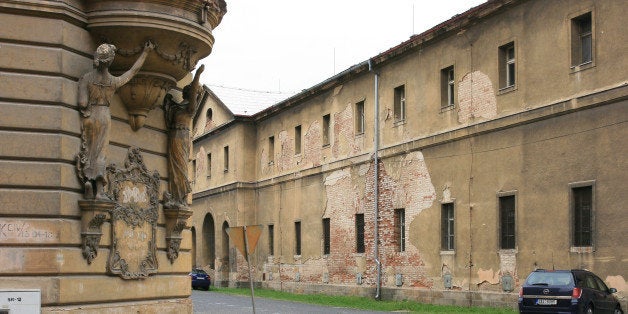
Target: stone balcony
181, 31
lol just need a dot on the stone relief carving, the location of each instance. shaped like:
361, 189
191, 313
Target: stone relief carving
174, 243
178, 121
96, 89
91, 238
217, 7
94, 213
181, 57
133, 218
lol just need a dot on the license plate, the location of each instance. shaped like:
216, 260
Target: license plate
546, 302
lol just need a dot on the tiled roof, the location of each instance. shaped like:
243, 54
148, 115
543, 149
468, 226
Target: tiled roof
247, 102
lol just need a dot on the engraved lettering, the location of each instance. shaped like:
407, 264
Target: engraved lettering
134, 195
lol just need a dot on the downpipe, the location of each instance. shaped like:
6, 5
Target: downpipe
378, 263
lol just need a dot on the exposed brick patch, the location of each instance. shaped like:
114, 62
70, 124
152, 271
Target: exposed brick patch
285, 159
477, 97
313, 146
201, 163
404, 183
350, 191
344, 134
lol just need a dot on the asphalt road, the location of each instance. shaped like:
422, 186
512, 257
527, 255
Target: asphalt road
213, 302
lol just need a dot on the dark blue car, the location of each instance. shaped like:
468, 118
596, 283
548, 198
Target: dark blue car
567, 291
200, 279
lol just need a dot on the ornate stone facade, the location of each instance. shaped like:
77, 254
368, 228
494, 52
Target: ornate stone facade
104, 222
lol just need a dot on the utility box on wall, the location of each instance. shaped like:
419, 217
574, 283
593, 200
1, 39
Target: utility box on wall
20, 301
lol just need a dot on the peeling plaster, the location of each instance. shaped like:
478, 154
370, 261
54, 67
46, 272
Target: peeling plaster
313, 145
333, 178
488, 276
618, 282
284, 161
345, 143
477, 97
201, 161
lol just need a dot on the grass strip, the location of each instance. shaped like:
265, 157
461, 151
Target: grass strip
356, 302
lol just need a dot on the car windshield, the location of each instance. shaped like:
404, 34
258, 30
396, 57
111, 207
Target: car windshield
199, 271
550, 279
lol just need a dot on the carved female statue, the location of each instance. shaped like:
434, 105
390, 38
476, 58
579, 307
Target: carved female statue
178, 119
96, 88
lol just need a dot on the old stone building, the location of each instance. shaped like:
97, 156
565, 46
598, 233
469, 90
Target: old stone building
455, 162
84, 223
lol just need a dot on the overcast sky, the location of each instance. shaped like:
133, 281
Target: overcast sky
291, 45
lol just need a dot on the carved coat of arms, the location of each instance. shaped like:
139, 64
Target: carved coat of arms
133, 218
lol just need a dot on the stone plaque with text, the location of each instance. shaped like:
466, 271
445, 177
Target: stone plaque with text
133, 219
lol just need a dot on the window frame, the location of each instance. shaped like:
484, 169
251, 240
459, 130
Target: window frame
225, 154
297, 238
360, 124
448, 227
209, 165
326, 236
448, 87
507, 66
360, 246
579, 245
399, 103
271, 150
271, 239
577, 61
297, 139
400, 229
326, 130
501, 209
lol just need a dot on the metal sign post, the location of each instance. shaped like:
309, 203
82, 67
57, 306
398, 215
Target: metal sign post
245, 238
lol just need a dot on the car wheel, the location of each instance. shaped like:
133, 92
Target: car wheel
588, 309
618, 310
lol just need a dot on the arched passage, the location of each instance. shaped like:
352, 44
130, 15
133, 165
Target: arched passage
209, 241
225, 248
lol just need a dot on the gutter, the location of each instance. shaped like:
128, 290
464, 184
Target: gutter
378, 264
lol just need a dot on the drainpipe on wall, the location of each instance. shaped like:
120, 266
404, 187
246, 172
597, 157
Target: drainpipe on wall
376, 185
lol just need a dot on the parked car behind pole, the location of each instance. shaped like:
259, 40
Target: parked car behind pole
567, 291
200, 279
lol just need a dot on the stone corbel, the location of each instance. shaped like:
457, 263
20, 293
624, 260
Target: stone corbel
176, 220
94, 213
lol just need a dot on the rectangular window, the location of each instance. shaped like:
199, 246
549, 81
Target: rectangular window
359, 117
447, 87
400, 103
297, 238
581, 40
271, 150
583, 215
209, 165
271, 240
226, 158
400, 229
326, 129
359, 233
326, 236
507, 222
447, 227
507, 65
297, 139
